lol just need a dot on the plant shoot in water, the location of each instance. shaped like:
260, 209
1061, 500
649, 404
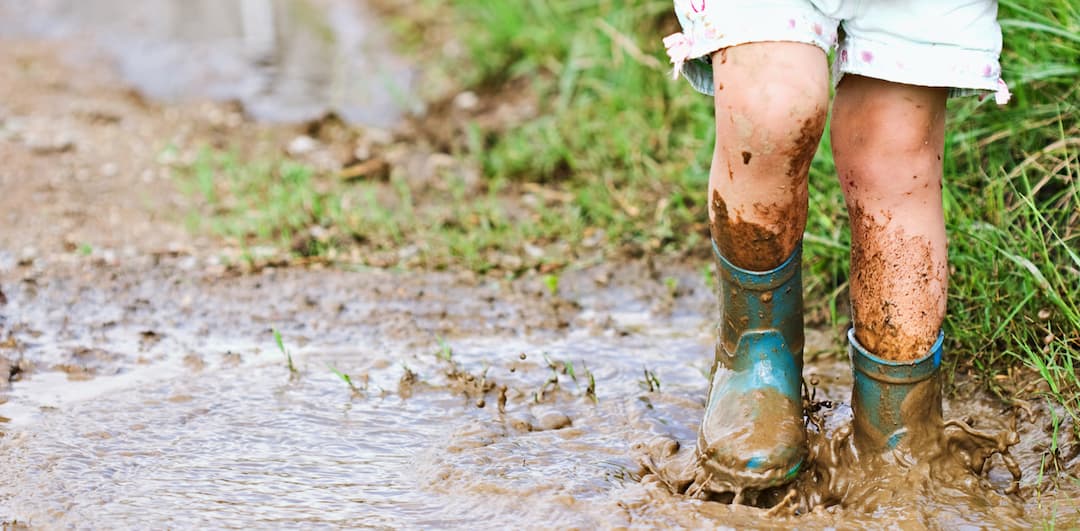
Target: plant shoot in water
552, 283
285, 352
590, 391
651, 381
356, 391
672, 285
445, 353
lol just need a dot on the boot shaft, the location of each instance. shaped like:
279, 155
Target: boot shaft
759, 304
895, 401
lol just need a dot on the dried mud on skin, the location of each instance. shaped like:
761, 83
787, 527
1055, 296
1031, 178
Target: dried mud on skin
886, 264
804, 148
747, 245
756, 246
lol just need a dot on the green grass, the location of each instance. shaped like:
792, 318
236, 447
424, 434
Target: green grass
616, 161
285, 354
259, 201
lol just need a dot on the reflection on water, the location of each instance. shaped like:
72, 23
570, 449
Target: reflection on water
284, 60
233, 447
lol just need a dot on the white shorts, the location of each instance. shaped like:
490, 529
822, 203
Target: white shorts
933, 43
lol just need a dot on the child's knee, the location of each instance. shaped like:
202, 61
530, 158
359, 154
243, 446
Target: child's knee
888, 140
778, 123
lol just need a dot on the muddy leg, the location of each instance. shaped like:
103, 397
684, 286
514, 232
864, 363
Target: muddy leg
888, 140
770, 109
771, 104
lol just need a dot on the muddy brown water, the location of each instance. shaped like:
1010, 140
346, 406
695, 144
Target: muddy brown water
152, 395
283, 60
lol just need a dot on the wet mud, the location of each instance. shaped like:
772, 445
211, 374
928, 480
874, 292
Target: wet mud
727, 437
469, 398
896, 289
948, 475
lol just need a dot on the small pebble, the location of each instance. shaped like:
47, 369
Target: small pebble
554, 420
522, 423
301, 145
50, 146
466, 101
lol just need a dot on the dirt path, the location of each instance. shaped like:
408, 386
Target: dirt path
80, 157
145, 388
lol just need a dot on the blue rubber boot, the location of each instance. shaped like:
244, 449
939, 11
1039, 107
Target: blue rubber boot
752, 435
895, 402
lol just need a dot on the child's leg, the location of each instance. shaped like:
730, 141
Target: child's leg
888, 140
771, 101
771, 104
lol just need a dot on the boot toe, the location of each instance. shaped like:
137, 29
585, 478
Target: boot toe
756, 468
752, 438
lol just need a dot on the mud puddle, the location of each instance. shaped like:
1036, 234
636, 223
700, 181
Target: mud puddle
283, 60
153, 395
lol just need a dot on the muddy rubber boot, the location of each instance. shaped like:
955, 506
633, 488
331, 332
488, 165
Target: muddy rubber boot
895, 402
753, 434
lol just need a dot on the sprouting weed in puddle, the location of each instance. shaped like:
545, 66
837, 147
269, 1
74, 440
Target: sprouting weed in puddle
408, 379
408, 374
445, 353
356, 391
552, 383
552, 283
672, 285
554, 378
560, 367
550, 364
285, 352
590, 391
650, 382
